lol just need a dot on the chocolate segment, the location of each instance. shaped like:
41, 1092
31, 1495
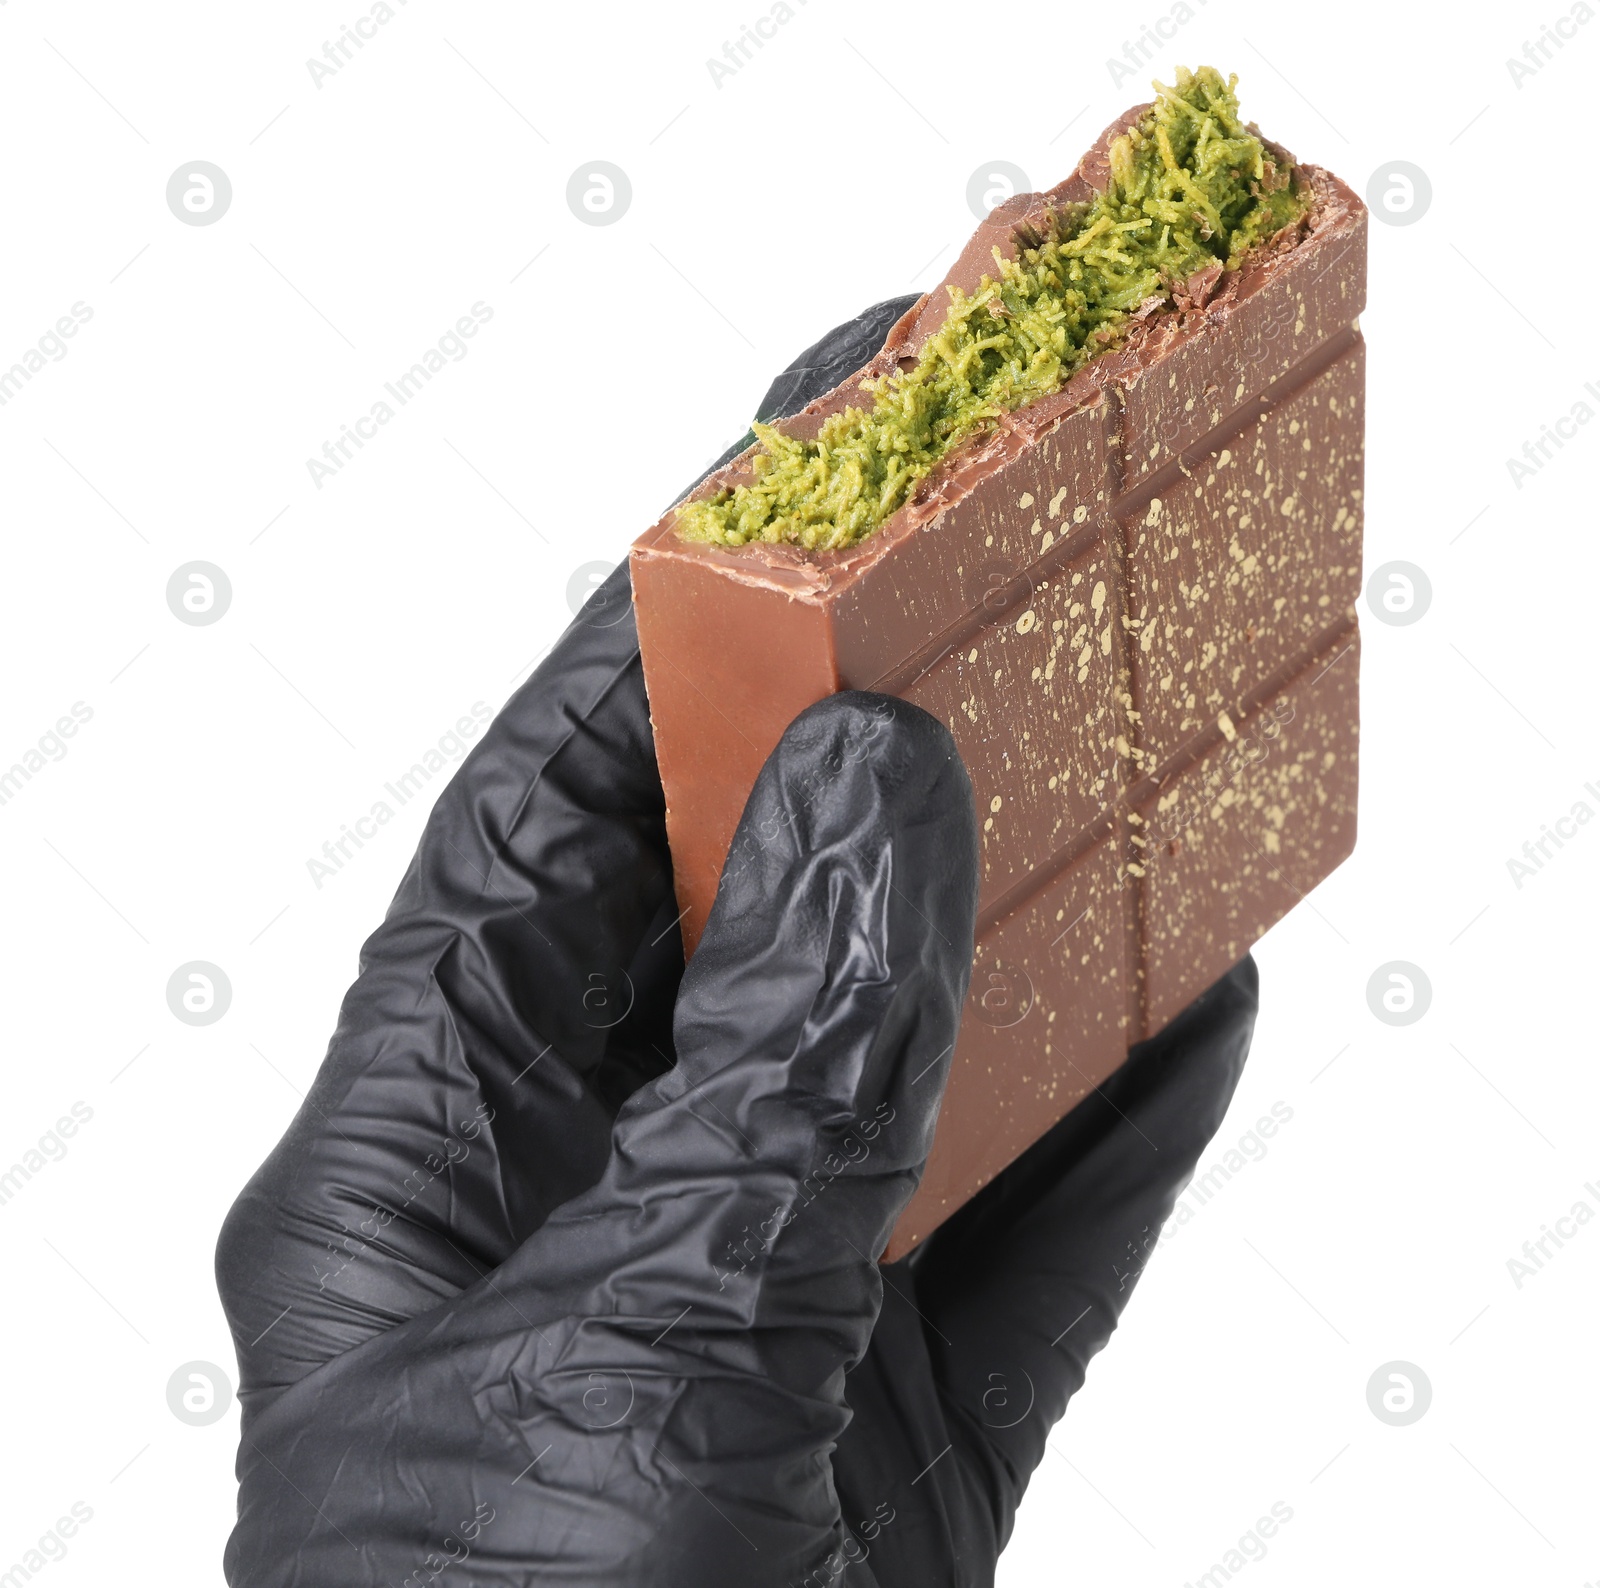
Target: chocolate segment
1233, 842
1133, 605
1237, 566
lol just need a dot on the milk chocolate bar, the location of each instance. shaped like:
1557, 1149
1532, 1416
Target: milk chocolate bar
1133, 603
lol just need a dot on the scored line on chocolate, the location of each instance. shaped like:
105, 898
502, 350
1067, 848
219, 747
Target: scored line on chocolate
1141, 790
1123, 504
1288, 385
1111, 530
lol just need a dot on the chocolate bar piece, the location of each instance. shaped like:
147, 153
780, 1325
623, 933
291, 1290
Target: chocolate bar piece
1133, 603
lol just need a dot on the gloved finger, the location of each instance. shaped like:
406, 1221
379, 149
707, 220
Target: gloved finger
647, 1391
1023, 1285
519, 988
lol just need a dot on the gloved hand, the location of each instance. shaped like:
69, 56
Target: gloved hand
564, 1272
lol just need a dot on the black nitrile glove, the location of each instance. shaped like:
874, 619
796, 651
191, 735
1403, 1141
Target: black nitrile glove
564, 1273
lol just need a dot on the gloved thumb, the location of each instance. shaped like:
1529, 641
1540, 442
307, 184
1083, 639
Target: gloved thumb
816, 1021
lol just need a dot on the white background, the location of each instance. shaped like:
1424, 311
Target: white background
829, 172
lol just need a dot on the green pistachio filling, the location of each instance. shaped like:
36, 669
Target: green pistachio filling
1191, 186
